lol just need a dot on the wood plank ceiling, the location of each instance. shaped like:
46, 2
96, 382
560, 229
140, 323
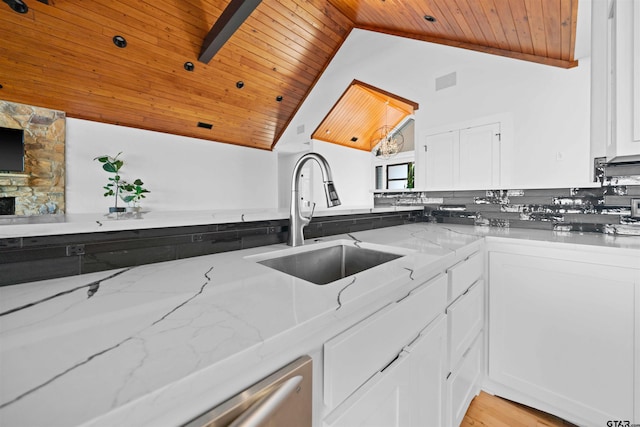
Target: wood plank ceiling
360, 111
61, 55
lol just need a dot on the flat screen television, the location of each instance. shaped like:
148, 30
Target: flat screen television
11, 150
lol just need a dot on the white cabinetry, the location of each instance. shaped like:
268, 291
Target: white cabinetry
465, 344
615, 110
466, 158
392, 363
407, 392
563, 330
417, 361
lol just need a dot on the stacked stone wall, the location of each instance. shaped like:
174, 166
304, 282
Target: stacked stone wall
40, 188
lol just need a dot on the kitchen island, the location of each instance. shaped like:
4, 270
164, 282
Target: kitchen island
159, 344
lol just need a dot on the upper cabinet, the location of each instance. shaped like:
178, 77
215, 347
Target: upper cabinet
616, 61
462, 158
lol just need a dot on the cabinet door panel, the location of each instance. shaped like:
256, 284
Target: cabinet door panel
479, 156
383, 401
563, 332
356, 354
441, 167
466, 319
464, 383
428, 355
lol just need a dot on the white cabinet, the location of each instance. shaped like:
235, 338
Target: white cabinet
466, 158
563, 331
355, 355
624, 28
439, 159
465, 343
464, 382
408, 392
417, 361
615, 88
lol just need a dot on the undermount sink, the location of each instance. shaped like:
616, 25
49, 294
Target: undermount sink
323, 263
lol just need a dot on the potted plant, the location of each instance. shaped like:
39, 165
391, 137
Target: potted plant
133, 193
114, 186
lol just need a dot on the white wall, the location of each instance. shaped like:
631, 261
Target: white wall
181, 173
550, 106
349, 168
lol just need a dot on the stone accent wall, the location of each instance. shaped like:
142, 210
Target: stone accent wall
40, 189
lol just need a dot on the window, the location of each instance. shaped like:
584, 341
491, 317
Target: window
397, 177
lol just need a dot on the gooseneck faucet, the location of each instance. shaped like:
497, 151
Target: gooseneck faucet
297, 222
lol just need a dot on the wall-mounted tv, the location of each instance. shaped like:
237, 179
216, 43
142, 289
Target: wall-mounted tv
11, 150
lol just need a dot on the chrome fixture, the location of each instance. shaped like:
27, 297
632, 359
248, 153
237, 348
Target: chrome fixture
297, 222
386, 141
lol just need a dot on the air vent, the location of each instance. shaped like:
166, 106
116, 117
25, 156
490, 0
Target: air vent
205, 125
354, 139
448, 80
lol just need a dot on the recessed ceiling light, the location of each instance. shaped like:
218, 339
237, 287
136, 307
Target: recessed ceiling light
189, 66
120, 41
429, 18
354, 139
240, 84
17, 6
279, 98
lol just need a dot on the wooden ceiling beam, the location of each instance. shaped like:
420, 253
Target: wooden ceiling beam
231, 19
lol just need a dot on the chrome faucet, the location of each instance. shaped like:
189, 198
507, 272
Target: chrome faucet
297, 222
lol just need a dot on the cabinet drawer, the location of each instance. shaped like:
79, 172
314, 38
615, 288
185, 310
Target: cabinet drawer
463, 274
464, 382
358, 353
465, 318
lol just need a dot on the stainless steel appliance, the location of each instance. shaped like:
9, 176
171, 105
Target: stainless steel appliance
284, 398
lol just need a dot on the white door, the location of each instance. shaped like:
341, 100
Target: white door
562, 332
440, 160
479, 163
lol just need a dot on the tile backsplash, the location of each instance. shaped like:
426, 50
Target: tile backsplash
604, 209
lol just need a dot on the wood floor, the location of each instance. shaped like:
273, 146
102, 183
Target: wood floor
491, 411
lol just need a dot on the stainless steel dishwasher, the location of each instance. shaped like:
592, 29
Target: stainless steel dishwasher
284, 398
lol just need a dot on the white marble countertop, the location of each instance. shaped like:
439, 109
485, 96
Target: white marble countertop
158, 344
44, 225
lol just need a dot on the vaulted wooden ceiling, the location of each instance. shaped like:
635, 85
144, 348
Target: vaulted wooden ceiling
359, 113
61, 55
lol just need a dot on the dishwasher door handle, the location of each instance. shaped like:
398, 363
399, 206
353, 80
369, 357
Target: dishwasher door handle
263, 408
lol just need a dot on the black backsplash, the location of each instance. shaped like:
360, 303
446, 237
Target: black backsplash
602, 210
27, 259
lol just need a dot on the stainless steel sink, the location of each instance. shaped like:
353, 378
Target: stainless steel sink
329, 263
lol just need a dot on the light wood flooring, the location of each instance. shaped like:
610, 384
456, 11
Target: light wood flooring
491, 411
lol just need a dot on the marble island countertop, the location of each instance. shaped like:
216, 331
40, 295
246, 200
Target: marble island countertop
156, 345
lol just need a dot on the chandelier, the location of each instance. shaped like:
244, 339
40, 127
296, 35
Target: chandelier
385, 142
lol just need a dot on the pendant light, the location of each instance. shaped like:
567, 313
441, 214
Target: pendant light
385, 142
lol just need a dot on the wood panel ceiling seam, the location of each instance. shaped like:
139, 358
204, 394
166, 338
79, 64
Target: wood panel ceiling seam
288, 122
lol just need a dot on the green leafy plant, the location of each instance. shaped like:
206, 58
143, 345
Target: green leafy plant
411, 175
133, 193
118, 187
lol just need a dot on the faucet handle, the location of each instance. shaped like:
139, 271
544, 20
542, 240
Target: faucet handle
313, 208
